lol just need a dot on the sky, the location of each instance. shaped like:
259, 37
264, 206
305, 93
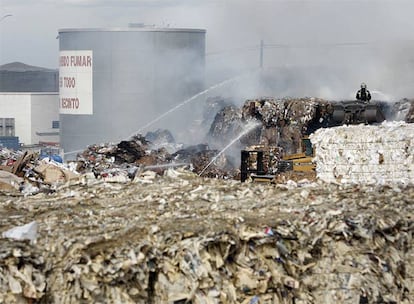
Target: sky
374, 37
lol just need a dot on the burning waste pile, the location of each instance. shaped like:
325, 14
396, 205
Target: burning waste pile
276, 126
27, 173
138, 154
265, 121
280, 123
134, 222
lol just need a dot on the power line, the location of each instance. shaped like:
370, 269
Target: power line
247, 48
309, 45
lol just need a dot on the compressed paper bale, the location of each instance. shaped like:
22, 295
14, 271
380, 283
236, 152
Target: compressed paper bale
369, 154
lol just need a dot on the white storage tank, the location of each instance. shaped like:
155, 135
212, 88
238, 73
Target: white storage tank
114, 81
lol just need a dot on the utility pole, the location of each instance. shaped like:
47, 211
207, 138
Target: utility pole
261, 53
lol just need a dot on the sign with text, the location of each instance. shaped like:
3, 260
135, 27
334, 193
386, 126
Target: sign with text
75, 82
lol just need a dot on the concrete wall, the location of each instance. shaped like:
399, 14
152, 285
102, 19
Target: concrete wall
45, 110
33, 113
17, 106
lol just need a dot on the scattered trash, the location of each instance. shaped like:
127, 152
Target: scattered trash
133, 222
282, 124
25, 232
269, 231
52, 173
403, 110
410, 115
180, 237
9, 181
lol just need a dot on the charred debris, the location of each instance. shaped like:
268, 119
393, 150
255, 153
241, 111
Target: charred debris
282, 123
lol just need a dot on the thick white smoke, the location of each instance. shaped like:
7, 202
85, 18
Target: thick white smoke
321, 48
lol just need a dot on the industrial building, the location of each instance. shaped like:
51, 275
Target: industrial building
113, 81
29, 106
31, 116
20, 77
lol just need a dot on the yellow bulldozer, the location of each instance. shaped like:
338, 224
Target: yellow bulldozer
300, 162
263, 163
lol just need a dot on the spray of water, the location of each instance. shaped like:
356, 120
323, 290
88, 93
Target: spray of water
73, 152
166, 165
202, 93
247, 128
384, 96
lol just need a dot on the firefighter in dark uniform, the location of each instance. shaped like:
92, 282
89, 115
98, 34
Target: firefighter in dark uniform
363, 94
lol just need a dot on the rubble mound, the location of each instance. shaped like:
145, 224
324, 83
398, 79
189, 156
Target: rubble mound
271, 123
160, 137
129, 151
118, 233
285, 121
403, 110
180, 238
212, 106
127, 157
201, 156
410, 115
226, 125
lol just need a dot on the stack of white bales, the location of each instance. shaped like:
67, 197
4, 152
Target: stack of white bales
369, 154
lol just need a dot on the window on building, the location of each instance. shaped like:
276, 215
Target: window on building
7, 127
55, 124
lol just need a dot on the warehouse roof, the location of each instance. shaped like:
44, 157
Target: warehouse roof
22, 67
21, 77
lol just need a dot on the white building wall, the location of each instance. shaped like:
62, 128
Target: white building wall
45, 110
18, 106
33, 114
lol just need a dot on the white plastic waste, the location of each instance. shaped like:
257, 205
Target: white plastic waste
25, 232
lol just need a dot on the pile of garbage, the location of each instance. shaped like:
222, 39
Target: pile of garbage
281, 125
410, 114
180, 238
136, 155
162, 138
226, 125
212, 106
403, 110
283, 121
27, 173
380, 154
133, 222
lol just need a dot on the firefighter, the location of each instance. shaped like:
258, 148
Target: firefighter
363, 94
